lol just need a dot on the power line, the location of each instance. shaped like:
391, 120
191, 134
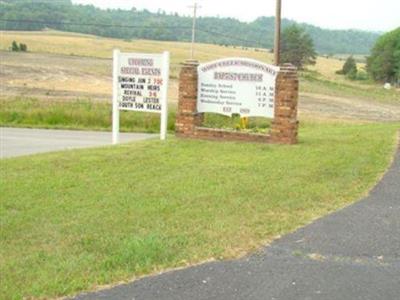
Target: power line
207, 31
93, 24
39, 2
228, 36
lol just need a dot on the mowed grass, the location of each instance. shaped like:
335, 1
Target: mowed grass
76, 220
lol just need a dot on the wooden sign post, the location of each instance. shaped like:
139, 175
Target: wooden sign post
277, 47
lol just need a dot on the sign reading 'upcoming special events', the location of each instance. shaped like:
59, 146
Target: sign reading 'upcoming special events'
237, 86
140, 84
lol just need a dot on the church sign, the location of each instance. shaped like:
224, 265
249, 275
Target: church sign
140, 83
237, 86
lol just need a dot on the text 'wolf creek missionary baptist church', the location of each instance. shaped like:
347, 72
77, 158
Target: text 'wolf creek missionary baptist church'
237, 86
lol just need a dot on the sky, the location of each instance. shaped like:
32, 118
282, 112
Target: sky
372, 15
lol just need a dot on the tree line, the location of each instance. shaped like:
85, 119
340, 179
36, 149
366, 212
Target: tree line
143, 24
383, 65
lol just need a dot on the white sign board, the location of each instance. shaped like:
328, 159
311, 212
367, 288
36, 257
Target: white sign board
140, 84
237, 86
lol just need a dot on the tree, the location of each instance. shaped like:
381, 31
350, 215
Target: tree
14, 47
349, 67
384, 62
297, 47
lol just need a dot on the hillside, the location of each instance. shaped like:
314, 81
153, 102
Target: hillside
134, 24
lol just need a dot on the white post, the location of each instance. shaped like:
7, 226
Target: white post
115, 110
164, 97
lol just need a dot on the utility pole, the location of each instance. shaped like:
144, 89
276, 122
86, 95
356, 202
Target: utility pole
277, 47
195, 8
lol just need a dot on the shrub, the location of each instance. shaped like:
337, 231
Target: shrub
362, 75
352, 74
14, 47
349, 68
23, 47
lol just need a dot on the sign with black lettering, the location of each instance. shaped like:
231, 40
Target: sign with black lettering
140, 84
237, 86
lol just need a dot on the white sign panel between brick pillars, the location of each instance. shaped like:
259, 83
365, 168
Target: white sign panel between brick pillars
237, 86
140, 83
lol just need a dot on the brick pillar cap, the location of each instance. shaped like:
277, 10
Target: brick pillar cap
191, 62
288, 67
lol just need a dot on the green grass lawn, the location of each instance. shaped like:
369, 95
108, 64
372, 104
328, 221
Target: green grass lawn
89, 115
75, 220
79, 114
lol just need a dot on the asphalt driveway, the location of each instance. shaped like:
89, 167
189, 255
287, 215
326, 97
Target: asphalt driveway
351, 254
21, 141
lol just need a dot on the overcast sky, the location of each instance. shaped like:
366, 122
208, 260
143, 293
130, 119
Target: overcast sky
375, 15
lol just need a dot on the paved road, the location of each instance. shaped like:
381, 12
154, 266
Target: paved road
352, 254
19, 141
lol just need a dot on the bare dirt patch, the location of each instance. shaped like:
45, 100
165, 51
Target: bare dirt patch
348, 108
58, 77
63, 78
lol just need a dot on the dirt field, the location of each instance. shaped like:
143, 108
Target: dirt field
329, 107
58, 77
65, 78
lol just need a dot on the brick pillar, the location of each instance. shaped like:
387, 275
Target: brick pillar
285, 126
187, 118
